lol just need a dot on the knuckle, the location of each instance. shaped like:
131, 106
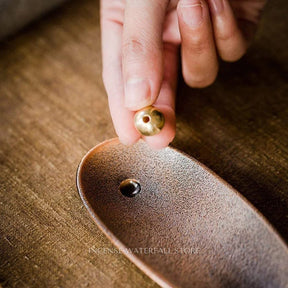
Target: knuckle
133, 48
227, 34
112, 12
199, 48
137, 49
197, 45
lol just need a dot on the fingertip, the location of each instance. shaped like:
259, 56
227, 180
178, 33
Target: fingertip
201, 80
233, 57
127, 133
159, 143
128, 141
123, 121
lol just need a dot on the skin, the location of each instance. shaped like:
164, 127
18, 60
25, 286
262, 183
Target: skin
140, 42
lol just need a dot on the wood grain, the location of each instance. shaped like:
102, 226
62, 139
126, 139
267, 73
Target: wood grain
53, 108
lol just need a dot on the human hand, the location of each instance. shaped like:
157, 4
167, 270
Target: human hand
140, 40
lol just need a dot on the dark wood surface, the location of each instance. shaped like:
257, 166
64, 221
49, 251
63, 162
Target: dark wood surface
54, 108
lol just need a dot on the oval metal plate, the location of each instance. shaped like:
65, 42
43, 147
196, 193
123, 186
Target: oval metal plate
187, 227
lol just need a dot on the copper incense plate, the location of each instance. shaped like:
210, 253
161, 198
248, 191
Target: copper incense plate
187, 227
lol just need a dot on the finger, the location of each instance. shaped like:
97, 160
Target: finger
171, 33
166, 100
142, 51
231, 43
199, 57
111, 30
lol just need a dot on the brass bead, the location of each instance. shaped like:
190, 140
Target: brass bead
149, 121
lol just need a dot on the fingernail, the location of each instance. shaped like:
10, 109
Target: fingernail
216, 6
192, 12
137, 93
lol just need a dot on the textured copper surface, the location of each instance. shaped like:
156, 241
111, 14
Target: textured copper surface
200, 231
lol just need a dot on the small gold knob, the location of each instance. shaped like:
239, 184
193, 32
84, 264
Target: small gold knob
149, 121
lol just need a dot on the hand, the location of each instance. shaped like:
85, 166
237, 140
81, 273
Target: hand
140, 40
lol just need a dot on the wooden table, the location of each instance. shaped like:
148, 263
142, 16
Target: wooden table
54, 108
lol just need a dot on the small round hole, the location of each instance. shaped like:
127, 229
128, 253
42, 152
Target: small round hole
146, 119
130, 187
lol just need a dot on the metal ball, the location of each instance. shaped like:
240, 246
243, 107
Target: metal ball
149, 121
